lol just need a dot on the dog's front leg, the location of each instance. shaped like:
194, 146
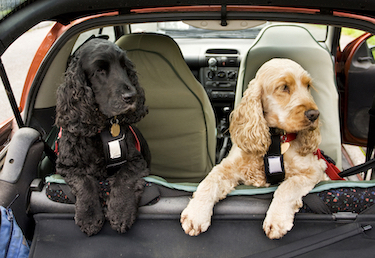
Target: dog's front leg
89, 215
196, 217
287, 200
126, 189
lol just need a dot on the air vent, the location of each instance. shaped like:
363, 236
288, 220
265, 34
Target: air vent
222, 51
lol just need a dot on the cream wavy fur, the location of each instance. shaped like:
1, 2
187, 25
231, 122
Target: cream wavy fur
278, 97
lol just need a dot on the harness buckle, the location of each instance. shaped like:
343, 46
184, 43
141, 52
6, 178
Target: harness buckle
274, 168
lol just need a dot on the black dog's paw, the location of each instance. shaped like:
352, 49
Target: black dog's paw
121, 217
122, 224
90, 225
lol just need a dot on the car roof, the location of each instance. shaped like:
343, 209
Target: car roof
32, 12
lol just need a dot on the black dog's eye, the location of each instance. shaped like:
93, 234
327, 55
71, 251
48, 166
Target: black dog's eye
102, 67
100, 70
308, 86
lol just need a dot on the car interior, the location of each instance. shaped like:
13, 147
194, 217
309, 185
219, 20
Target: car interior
184, 111
190, 91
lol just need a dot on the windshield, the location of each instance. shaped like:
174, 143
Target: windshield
184, 30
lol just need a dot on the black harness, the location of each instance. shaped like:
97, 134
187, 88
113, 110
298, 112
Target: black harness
115, 147
274, 160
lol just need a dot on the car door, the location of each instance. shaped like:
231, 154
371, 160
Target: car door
356, 80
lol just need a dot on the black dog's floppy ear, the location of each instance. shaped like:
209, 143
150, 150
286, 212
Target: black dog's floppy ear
76, 109
141, 109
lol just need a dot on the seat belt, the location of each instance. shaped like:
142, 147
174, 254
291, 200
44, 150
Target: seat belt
358, 169
370, 135
154, 191
314, 242
316, 204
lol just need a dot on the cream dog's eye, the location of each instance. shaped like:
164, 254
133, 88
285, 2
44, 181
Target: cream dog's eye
285, 88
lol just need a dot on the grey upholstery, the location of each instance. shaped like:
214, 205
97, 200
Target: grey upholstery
180, 126
296, 43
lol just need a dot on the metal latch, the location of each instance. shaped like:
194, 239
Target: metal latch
345, 216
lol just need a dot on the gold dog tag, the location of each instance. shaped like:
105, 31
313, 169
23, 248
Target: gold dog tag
115, 130
284, 147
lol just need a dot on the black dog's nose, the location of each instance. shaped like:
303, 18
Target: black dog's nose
128, 97
312, 114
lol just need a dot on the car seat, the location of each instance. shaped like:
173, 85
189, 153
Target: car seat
296, 43
180, 126
179, 129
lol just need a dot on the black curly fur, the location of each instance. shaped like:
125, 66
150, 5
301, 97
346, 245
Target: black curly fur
100, 82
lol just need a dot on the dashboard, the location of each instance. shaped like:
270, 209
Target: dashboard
215, 64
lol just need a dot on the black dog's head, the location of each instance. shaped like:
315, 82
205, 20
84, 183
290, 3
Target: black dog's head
100, 83
108, 73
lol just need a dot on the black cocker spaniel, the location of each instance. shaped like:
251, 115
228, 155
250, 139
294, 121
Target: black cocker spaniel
96, 105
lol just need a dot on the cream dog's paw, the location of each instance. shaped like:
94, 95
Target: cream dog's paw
195, 221
276, 225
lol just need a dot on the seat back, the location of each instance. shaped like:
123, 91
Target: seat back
296, 43
180, 126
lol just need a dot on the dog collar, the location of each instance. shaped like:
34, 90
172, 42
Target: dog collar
287, 137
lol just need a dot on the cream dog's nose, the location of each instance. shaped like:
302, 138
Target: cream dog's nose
312, 114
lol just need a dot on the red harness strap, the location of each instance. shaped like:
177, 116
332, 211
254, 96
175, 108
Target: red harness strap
137, 144
332, 171
56, 150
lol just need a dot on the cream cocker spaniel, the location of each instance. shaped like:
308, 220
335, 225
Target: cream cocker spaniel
278, 97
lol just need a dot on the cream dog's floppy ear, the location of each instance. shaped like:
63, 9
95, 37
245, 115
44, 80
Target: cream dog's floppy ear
248, 127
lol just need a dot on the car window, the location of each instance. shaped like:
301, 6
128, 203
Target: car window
349, 34
108, 31
184, 30
17, 60
371, 45
8, 6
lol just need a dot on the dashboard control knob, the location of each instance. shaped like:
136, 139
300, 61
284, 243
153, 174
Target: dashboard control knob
212, 64
212, 61
221, 74
232, 75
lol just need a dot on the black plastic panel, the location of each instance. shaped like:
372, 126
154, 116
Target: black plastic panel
361, 90
57, 235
